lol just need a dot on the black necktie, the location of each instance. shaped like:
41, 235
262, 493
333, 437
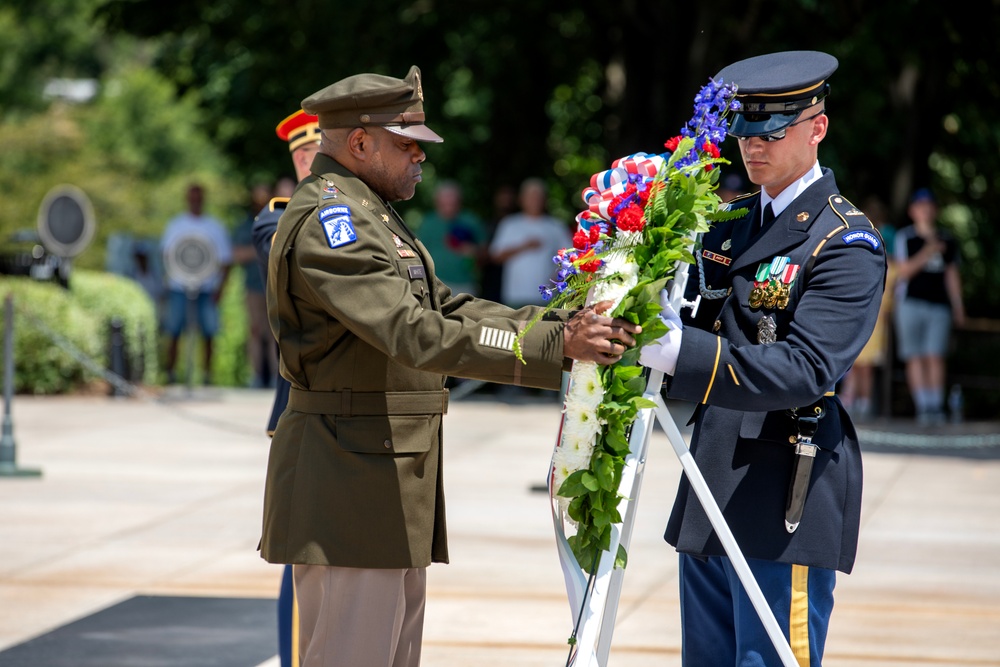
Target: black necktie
766, 217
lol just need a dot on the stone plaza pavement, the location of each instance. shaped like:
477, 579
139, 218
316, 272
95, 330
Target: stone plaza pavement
163, 497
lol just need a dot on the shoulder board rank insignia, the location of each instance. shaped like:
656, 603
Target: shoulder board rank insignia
364, 202
385, 218
803, 216
277, 203
845, 209
870, 239
337, 225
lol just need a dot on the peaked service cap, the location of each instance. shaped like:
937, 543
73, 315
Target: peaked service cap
373, 99
298, 129
773, 89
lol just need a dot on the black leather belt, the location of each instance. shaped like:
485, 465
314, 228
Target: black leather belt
368, 403
807, 422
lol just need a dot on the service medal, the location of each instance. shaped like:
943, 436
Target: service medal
771, 294
767, 330
783, 294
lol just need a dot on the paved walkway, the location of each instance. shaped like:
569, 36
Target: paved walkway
163, 498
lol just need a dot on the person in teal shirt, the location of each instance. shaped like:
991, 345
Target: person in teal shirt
455, 239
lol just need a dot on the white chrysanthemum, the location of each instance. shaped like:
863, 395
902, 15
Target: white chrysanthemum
581, 422
585, 385
575, 451
561, 469
620, 262
622, 273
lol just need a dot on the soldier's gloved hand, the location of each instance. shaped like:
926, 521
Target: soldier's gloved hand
662, 354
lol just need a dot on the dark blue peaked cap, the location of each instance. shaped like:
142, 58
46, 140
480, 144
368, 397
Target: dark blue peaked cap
772, 89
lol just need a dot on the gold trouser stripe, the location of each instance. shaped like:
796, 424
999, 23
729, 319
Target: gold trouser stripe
715, 368
733, 373
295, 628
798, 621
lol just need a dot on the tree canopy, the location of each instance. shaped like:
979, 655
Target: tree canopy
548, 88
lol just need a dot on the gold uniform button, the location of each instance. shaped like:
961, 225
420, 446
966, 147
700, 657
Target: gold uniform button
717, 325
388, 444
792, 439
365, 118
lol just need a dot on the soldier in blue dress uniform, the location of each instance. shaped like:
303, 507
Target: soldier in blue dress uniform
789, 294
301, 131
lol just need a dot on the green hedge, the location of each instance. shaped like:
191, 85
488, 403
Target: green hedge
55, 327
82, 317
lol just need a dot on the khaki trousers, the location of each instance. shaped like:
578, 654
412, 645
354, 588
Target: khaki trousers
353, 617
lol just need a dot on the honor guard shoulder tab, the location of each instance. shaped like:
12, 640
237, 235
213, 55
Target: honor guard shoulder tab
277, 204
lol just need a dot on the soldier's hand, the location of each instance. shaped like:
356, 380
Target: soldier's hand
590, 336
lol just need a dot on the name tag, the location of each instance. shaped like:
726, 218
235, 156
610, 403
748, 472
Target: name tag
416, 271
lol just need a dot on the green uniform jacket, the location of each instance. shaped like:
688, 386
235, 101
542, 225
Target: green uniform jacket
366, 334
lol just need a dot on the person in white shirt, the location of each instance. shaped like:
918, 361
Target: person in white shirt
525, 243
194, 223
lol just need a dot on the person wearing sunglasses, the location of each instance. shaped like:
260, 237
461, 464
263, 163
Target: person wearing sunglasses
789, 294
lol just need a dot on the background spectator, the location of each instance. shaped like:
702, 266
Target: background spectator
525, 243
194, 222
929, 301
455, 239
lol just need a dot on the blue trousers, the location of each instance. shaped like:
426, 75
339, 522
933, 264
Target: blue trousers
286, 615
721, 628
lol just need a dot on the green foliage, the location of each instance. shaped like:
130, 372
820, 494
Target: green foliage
230, 365
42, 40
40, 365
83, 314
133, 152
108, 297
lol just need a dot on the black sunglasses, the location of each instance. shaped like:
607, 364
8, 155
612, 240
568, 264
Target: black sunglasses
780, 134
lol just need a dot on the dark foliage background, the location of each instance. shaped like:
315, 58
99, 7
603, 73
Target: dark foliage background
549, 88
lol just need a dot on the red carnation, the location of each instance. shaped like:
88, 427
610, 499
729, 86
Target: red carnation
581, 240
595, 234
630, 219
671, 144
711, 149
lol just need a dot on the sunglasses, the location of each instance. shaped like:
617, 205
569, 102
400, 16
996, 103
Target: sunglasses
780, 134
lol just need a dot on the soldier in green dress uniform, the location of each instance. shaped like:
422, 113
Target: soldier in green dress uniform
367, 334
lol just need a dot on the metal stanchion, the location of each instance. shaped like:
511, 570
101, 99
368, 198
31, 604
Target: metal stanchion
117, 356
8, 448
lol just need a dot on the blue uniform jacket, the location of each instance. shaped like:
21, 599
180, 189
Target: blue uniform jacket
742, 438
264, 227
